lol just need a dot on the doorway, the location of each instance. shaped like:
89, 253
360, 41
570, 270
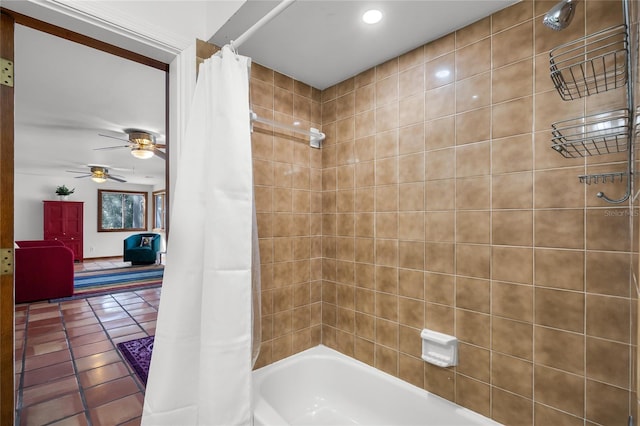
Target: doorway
7, 323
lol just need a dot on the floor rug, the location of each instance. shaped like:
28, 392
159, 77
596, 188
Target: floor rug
108, 281
138, 354
121, 278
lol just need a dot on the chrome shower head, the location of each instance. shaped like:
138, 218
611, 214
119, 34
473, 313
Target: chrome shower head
560, 15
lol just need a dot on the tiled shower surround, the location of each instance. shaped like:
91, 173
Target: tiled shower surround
436, 202
288, 192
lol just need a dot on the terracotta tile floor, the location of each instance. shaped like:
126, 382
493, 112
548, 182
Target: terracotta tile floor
68, 369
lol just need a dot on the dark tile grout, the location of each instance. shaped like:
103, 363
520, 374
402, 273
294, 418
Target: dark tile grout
18, 408
75, 369
92, 306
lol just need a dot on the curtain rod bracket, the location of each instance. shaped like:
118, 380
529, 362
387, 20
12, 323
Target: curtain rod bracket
315, 138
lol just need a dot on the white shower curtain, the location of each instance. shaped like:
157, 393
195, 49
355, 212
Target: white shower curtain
200, 371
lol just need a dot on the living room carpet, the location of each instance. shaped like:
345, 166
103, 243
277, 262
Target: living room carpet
107, 281
120, 279
138, 354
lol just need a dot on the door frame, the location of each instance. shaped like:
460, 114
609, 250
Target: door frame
7, 403
9, 19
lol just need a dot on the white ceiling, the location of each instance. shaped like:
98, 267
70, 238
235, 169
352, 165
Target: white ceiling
66, 93
324, 42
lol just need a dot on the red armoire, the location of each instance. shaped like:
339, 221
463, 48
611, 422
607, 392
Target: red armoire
63, 221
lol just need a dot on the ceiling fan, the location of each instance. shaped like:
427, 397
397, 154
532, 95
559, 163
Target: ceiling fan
98, 174
142, 144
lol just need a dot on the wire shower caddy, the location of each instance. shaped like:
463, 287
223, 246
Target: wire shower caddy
597, 134
592, 64
589, 65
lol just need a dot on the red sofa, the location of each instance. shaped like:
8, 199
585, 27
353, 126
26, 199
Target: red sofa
43, 270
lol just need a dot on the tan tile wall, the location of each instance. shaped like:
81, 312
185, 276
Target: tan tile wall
444, 207
287, 181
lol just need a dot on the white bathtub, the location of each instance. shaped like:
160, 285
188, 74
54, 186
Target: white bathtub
321, 386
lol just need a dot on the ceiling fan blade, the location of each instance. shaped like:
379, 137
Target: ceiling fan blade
112, 137
85, 176
160, 154
160, 145
75, 171
115, 178
111, 147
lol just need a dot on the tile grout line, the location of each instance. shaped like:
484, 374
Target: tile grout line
18, 408
75, 370
59, 311
115, 345
110, 339
132, 374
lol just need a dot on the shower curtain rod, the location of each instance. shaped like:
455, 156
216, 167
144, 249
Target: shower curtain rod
315, 136
255, 27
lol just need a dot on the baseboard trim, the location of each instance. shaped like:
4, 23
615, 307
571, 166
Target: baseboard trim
91, 259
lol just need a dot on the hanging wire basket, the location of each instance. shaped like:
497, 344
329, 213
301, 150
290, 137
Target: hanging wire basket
592, 64
597, 134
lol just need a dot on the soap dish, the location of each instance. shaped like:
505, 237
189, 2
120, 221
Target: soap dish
439, 349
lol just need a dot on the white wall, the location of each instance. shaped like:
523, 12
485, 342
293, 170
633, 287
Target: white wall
112, 22
157, 29
31, 190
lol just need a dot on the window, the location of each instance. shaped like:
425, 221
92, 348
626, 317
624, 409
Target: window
121, 211
159, 209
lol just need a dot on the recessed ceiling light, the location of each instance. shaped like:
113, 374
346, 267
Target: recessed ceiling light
372, 16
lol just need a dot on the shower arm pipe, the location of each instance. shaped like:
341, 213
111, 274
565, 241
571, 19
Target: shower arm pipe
261, 22
630, 106
315, 136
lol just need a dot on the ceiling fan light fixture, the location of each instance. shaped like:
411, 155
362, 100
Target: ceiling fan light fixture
98, 174
142, 153
142, 138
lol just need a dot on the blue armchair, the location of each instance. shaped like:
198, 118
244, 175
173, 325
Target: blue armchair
141, 249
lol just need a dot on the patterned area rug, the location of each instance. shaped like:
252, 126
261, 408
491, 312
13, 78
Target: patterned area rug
138, 354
